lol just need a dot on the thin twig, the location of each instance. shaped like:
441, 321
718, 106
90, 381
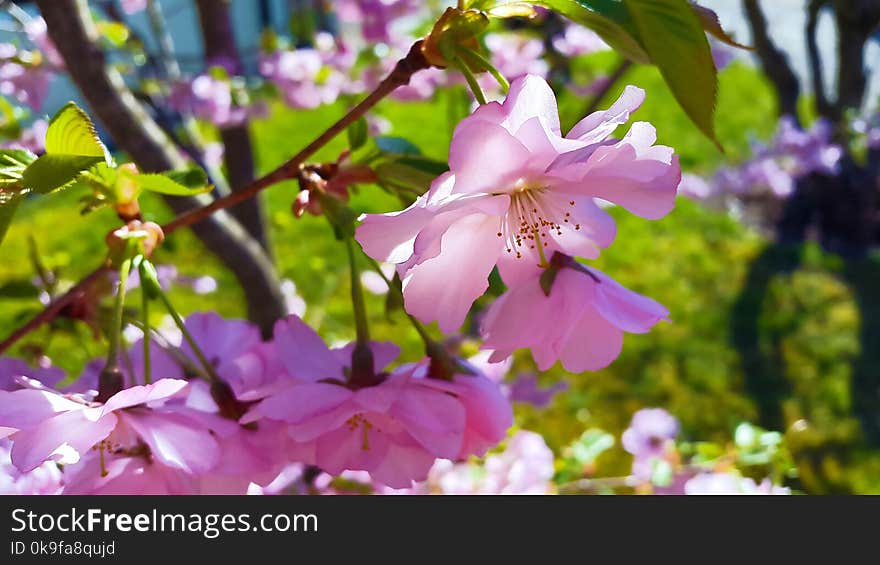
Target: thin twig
56, 306
405, 68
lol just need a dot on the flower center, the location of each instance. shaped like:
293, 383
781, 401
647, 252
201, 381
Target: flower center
532, 218
359, 420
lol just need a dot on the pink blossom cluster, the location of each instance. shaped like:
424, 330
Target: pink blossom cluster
522, 197
650, 438
576, 40
288, 400
310, 77
32, 138
25, 74
210, 98
524, 466
775, 167
376, 18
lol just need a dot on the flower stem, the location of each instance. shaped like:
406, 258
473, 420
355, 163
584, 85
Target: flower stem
481, 60
413, 62
210, 372
357, 296
471, 80
145, 316
417, 325
362, 366
118, 309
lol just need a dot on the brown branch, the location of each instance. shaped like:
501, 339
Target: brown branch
56, 306
74, 33
219, 39
773, 61
405, 68
816, 71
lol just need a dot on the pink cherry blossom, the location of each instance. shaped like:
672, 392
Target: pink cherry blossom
516, 55
488, 414
32, 138
52, 426
375, 17
12, 368
38, 32
730, 484
132, 7
517, 188
207, 98
524, 467
309, 77
581, 323
393, 429
45, 479
577, 40
648, 438
26, 84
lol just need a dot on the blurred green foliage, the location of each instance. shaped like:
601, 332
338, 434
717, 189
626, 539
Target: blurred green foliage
803, 323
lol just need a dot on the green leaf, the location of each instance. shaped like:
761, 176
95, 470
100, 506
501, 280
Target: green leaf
674, 39
398, 145
357, 133
12, 163
51, 172
8, 206
71, 132
662, 473
710, 22
591, 445
162, 184
192, 178
19, 288
115, 33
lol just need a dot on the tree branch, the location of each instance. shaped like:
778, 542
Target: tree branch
405, 68
238, 154
773, 61
816, 72
72, 30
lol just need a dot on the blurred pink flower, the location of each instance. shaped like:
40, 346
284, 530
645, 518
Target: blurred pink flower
577, 40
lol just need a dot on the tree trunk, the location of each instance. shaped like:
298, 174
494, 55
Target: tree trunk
238, 155
134, 130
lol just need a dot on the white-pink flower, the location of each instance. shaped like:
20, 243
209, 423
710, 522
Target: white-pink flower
518, 189
581, 323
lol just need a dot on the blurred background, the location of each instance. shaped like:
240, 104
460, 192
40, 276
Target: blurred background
768, 264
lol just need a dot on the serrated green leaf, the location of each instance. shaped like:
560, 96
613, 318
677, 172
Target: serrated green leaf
8, 206
12, 163
51, 172
191, 178
162, 184
16, 157
71, 132
711, 24
673, 37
